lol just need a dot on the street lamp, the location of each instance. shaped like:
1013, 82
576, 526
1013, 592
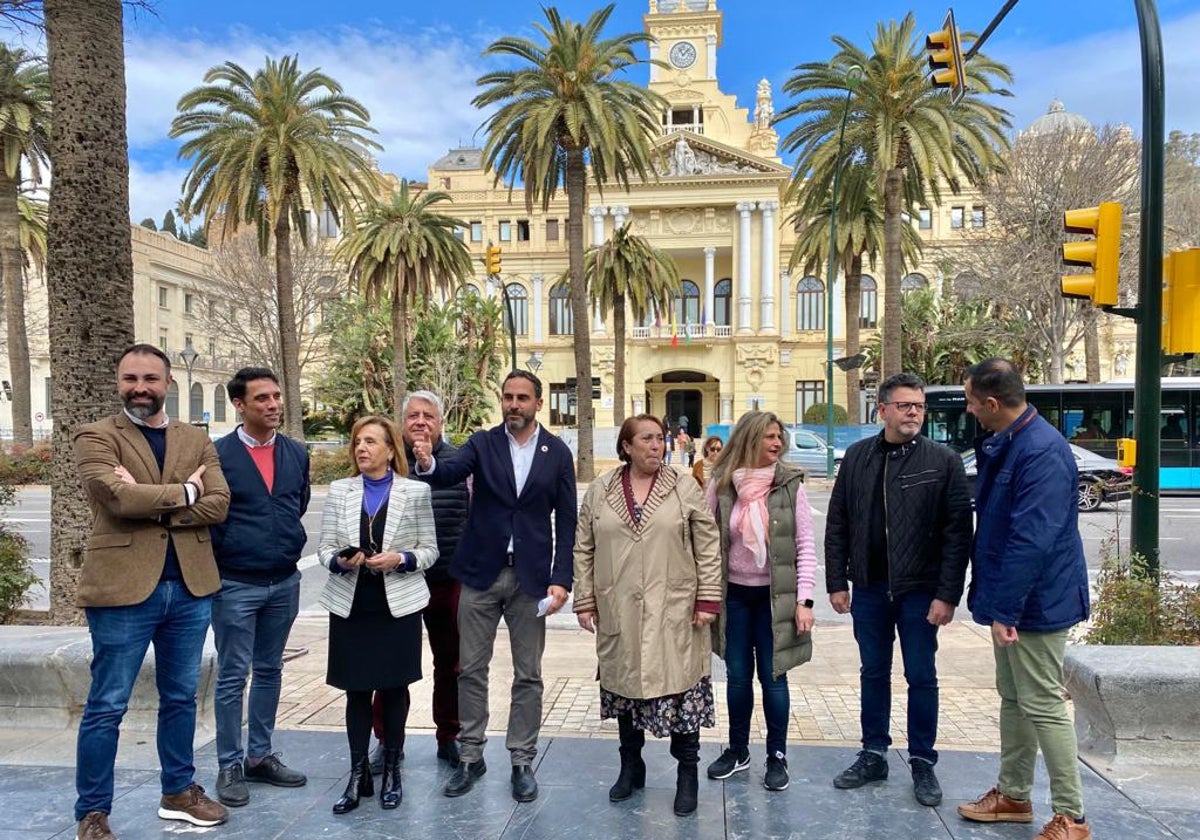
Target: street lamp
534, 362
189, 357
852, 73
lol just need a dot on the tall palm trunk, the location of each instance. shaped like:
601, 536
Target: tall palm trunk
576, 202
618, 358
893, 189
289, 343
89, 272
399, 349
12, 263
853, 309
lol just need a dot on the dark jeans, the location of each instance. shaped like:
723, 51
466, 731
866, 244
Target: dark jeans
876, 623
749, 646
176, 623
251, 623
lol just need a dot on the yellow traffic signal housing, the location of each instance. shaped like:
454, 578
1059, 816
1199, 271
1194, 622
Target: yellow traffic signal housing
1103, 253
493, 260
1126, 452
946, 60
1181, 302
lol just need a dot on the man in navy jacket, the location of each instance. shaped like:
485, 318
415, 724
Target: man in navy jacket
1029, 584
508, 559
257, 550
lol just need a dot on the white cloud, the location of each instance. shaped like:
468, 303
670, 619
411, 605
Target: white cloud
152, 192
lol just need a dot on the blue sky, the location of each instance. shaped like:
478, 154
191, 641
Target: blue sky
414, 64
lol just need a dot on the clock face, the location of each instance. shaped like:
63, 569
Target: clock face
683, 55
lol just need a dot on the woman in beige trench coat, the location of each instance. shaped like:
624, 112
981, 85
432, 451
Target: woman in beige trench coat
648, 584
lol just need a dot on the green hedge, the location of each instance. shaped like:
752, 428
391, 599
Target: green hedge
329, 465
25, 464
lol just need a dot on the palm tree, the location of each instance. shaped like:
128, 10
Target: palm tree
24, 139
559, 112
627, 269
404, 249
914, 138
267, 148
859, 234
89, 270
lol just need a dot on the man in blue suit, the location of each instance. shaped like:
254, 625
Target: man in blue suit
515, 551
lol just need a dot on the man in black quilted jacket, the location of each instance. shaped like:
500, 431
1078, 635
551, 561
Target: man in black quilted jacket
898, 535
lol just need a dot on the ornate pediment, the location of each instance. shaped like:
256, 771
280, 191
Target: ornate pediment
687, 155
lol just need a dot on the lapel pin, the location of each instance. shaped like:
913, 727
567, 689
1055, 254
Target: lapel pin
545, 448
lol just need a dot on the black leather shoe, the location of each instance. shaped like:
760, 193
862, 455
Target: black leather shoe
448, 752
464, 776
868, 767
274, 772
925, 783
524, 785
231, 786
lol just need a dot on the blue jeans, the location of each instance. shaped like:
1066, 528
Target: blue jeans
749, 646
876, 623
176, 623
251, 623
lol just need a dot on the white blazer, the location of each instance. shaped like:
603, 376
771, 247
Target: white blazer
408, 527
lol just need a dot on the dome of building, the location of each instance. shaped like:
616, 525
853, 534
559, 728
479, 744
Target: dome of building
1057, 118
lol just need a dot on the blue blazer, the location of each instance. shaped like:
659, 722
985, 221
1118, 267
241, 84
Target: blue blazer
540, 558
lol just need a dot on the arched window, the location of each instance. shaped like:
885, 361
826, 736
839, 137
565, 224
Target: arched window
967, 285
723, 303
220, 398
519, 300
810, 304
868, 313
912, 282
687, 306
173, 401
196, 403
560, 311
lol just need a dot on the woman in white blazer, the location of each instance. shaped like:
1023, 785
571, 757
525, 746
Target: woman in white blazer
377, 537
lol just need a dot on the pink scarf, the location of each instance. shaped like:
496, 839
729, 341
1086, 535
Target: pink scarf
749, 515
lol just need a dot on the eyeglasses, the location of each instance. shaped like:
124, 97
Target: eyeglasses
905, 407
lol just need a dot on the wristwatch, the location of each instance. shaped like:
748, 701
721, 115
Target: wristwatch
808, 602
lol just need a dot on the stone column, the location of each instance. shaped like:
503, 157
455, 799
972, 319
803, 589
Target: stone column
744, 209
727, 410
711, 41
597, 214
653, 56
710, 253
620, 215
537, 307
785, 303
767, 269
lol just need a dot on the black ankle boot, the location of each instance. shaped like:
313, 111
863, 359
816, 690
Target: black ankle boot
361, 784
633, 770
686, 750
390, 791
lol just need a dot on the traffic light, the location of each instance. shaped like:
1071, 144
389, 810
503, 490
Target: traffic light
1126, 452
492, 261
946, 60
1181, 302
1103, 253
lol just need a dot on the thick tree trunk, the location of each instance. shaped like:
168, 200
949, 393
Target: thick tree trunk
1091, 345
618, 359
853, 309
585, 468
893, 190
289, 343
89, 271
399, 351
12, 263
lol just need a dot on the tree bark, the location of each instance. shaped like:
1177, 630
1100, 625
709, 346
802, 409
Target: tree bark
585, 468
1091, 345
399, 349
853, 308
893, 190
12, 263
89, 271
618, 359
289, 343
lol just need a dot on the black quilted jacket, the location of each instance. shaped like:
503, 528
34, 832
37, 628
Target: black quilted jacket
927, 513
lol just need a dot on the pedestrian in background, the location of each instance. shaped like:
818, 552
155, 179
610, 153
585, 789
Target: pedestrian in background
710, 451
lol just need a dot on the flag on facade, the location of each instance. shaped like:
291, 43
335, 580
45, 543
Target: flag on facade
674, 329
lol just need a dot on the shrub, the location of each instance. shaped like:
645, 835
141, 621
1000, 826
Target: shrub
816, 415
25, 464
16, 577
1130, 609
329, 465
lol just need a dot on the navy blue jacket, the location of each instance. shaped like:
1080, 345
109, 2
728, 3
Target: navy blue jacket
497, 513
261, 539
1028, 569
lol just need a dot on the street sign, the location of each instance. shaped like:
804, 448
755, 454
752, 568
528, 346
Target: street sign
39, 417
206, 416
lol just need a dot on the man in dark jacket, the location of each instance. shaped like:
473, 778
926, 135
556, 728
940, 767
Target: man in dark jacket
424, 420
899, 530
257, 550
1029, 584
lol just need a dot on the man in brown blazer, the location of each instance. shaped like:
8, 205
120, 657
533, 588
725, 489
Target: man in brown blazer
155, 485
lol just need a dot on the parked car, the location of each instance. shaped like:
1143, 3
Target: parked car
809, 450
1100, 479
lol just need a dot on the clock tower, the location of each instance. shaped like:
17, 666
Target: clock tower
686, 36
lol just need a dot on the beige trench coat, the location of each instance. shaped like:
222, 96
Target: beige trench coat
643, 584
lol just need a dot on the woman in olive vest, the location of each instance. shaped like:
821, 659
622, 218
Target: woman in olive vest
769, 566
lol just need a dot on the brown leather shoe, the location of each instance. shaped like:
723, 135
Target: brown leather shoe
1064, 828
994, 806
192, 805
94, 826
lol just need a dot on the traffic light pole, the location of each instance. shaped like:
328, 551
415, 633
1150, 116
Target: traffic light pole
1147, 399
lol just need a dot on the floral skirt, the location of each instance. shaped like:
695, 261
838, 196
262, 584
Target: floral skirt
660, 716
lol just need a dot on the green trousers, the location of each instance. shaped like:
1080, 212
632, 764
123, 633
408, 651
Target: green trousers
1033, 715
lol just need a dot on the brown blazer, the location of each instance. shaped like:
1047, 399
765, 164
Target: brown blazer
131, 522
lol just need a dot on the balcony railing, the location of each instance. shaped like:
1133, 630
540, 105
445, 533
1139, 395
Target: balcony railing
663, 331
